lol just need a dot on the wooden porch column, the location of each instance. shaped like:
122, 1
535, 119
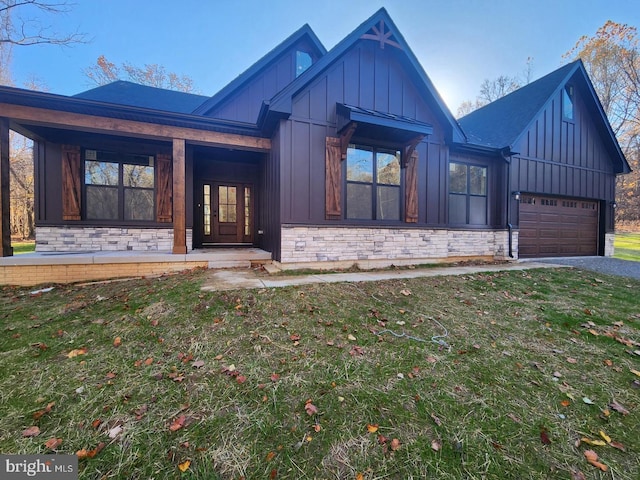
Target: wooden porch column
5, 192
179, 205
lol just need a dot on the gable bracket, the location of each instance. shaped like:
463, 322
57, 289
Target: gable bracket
345, 138
378, 35
409, 148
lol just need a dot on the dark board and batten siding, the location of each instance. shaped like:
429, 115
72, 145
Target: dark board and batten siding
244, 106
369, 77
561, 157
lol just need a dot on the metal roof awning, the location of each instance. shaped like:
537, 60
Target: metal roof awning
380, 125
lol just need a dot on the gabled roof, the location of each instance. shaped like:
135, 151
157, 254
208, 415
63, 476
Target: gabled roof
280, 104
260, 65
136, 95
501, 123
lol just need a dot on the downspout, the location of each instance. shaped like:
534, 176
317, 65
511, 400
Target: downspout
506, 156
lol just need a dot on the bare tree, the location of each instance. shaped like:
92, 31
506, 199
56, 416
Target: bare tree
153, 75
18, 28
492, 90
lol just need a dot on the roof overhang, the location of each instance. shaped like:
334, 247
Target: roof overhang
379, 125
26, 107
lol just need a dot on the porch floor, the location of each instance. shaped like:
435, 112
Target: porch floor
67, 267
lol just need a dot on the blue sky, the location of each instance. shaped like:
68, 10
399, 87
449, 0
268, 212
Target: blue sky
458, 42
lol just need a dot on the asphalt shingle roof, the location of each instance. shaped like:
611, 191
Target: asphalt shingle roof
135, 95
501, 122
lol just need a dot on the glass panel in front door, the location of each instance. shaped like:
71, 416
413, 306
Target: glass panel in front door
227, 203
206, 209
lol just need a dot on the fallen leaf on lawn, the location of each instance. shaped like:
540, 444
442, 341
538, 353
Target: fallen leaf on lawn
593, 332
77, 351
565, 403
270, 456
198, 364
53, 443
436, 419
31, 432
544, 437
111, 375
97, 450
82, 453
140, 412
96, 423
351, 338
577, 475
557, 374
617, 445
356, 350
46, 410
618, 408
432, 359
514, 418
310, 408
592, 458
115, 431
117, 342
405, 292
273, 474
635, 372
587, 400
241, 379
606, 437
184, 466
395, 444
571, 360
372, 427
359, 476
608, 362
436, 445
597, 443
178, 423
294, 337
275, 377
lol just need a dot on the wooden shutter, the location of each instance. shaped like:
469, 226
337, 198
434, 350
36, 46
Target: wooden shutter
333, 179
71, 182
411, 189
164, 188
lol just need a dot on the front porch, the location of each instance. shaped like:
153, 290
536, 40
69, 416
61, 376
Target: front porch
64, 267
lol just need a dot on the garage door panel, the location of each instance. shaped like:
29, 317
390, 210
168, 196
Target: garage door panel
557, 227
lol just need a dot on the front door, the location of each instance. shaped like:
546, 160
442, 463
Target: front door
227, 213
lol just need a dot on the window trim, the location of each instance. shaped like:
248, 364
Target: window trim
119, 158
401, 187
468, 195
568, 93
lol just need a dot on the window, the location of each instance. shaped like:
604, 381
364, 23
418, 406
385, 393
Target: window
119, 187
373, 183
567, 103
303, 61
467, 194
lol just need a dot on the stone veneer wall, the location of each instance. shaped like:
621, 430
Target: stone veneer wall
96, 239
302, 244
608, 244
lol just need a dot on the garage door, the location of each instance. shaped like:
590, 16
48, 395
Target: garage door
557, 227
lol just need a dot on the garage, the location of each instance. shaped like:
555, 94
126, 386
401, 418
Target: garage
557, 227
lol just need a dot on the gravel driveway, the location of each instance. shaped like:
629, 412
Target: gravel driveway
608, 265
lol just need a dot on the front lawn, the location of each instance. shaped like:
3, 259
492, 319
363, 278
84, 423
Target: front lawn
156, 379
627, 246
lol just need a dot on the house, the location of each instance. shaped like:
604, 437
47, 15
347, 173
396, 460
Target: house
322, 158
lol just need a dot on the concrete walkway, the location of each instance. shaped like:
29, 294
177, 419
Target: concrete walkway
235, 279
